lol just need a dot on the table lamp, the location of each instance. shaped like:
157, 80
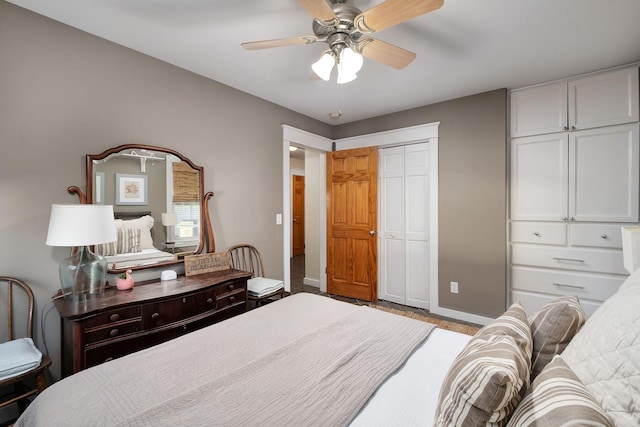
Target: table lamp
83, 274
631, 248
169, 220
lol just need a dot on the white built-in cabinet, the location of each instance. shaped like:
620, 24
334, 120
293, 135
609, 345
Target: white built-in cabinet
574, 182
404, 224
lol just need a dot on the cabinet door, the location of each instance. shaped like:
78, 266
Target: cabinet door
539, 178
603, 174
604, 99
539, 110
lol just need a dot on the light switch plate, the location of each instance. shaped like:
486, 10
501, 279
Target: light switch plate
278, 219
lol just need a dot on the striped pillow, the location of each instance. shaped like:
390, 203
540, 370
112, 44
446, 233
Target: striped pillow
106, 249
553, 327
128, 240
558, 398
489, 377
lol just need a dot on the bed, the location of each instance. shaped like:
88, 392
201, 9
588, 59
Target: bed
134, 245
309, 360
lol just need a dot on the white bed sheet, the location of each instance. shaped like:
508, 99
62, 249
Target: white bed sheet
135, 259
409, 397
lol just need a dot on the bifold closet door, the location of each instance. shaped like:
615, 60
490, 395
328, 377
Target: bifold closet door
404, 224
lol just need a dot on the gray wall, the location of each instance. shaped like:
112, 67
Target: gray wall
472, 195
64, 93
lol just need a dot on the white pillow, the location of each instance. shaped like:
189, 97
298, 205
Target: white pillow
17, 357
145, 224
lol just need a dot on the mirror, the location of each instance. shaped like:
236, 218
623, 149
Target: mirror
156, 190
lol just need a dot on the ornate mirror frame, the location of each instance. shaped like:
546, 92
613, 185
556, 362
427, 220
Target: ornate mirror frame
206, 236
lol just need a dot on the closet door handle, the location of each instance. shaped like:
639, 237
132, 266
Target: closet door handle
372, 232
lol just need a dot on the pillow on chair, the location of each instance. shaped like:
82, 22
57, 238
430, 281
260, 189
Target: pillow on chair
17, 357
259, 286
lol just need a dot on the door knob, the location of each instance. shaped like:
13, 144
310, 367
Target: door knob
372, 232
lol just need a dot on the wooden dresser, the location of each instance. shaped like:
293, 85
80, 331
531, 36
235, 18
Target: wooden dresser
122, 322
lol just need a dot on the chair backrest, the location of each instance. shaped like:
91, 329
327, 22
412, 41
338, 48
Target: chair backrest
246, 258
13, 283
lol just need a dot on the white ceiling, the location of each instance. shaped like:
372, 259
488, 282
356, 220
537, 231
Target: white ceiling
466, 47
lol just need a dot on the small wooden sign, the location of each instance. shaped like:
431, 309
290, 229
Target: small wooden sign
206, 263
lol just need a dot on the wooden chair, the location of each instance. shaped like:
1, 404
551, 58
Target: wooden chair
247, 258
22, 391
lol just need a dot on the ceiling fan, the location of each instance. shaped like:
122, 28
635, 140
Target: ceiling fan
347, 31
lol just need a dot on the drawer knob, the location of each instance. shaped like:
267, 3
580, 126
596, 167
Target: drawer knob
114, 332
155, 316
535, 233
210, 301
184, 300
232, 298
114, 317
184, 327
231, 287
604, 236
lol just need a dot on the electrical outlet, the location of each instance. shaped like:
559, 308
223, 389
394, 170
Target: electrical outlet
454, 287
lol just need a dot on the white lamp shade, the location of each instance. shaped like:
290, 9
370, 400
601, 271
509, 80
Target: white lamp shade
169, 219
351, 61
81, 225
631, 248
323, 66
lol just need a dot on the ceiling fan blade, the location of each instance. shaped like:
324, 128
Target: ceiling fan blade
290, 41
393, 12
319, 9
385, 53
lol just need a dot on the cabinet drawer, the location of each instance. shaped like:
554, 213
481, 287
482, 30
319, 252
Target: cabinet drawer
539, 232
111, 317
583, 285
592, 260
532, 302
596, 235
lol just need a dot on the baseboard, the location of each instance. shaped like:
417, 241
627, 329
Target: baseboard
461, 315
311, 282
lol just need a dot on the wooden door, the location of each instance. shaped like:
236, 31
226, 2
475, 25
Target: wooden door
352, 253
298, 215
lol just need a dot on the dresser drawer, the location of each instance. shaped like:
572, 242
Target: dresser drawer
539, 232
597, 287
178, 309
596, 235
590, 260
112, 330
532, 302
112, 316
233, 295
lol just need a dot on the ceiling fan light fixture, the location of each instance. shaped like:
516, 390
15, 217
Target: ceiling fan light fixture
323, 66
351, 61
